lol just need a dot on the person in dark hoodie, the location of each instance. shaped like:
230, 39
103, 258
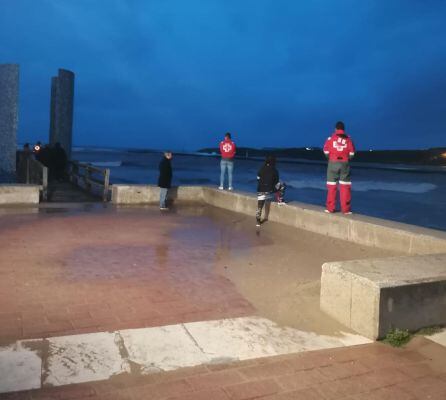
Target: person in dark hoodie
268, 185
165, 178
58, 162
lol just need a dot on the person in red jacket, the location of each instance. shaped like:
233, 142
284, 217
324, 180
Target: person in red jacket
227, 151
339, 149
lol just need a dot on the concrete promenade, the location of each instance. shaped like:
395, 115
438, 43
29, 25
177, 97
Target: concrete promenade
88, 292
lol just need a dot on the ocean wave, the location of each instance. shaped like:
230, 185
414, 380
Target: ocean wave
97, 149
106, 163
365, 186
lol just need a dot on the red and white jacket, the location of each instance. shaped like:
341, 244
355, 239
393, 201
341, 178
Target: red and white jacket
339, 147
227, 149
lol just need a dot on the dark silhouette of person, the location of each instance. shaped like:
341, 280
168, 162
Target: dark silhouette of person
58, 163
165, 178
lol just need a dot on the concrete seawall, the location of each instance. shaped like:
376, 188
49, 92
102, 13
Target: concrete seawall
360, 229
19, 194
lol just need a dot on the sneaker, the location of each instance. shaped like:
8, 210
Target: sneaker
258, 224
281, 203
348, 213
328, 211
230, 188
220, 187
163, 208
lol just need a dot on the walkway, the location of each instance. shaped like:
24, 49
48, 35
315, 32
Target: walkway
98, 289
66, 192
368, 372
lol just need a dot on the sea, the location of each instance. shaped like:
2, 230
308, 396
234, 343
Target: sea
405, 193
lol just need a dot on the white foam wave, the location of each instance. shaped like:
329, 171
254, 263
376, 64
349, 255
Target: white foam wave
106, 163
365, 186
97, 149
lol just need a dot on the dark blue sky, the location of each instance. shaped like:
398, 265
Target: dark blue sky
180, 73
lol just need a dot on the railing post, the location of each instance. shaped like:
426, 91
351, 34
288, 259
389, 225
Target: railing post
106, 184
45, 183
87, 177
27, 169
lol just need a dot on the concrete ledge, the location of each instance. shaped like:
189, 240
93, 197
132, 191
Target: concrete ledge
360, 229
19, 194
374, 296
145, 194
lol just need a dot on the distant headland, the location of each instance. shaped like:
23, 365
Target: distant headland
433, 157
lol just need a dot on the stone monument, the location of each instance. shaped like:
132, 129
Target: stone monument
9, 99
61, 110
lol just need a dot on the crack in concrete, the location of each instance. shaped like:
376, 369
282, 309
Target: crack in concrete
194, 340
129, 365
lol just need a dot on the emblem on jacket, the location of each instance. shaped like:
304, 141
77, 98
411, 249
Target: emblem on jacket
227, 147
340, 144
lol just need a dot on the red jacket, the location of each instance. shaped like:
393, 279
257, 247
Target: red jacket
227, 149
339, 147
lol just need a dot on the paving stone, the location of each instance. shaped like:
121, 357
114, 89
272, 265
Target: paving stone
215, 380
251, 390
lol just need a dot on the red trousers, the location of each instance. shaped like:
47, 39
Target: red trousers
345, 197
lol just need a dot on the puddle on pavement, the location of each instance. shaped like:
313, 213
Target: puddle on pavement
277, 270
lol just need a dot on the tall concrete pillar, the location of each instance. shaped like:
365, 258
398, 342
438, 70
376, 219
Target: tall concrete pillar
61, 109
9, 106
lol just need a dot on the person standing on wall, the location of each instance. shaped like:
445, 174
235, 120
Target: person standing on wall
227, 151
165, 178
339, 149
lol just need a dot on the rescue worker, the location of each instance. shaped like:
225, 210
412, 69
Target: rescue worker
339, 149
227, 151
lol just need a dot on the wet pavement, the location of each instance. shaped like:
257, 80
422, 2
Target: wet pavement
79, 271
86, 270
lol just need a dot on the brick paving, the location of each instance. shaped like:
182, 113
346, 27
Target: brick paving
70, 274
415, 372
80, 273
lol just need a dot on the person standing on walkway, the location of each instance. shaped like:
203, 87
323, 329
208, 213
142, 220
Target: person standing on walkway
268, 184
165, 178
227, 151
339, 149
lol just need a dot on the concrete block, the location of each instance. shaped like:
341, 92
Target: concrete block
146, 194
283, 214
19, 194
373, 296
186, 194
220, 198
134, 194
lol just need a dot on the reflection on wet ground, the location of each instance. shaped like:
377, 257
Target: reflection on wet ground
84, 268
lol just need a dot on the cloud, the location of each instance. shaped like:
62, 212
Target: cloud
276, 73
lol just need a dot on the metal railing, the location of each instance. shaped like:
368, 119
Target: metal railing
90, 178
33, 172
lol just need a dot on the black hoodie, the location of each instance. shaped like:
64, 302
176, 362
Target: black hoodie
267, 178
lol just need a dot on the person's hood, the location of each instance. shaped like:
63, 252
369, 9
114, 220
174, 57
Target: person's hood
340, 133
